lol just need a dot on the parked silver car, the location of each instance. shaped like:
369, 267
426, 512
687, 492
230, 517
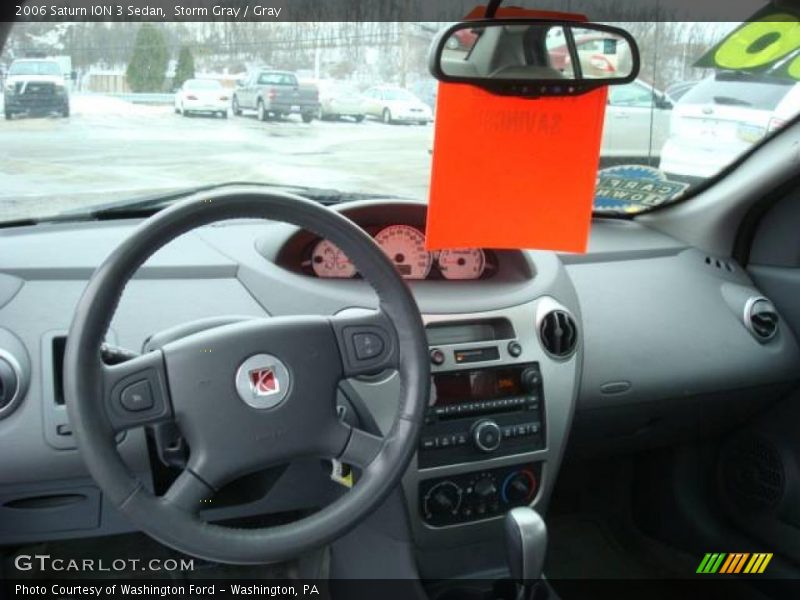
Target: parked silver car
721, 118
340, 99
394, 104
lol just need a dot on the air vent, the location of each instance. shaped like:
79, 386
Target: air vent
558, 333
761, 318
9, 386
722, 265
753, 473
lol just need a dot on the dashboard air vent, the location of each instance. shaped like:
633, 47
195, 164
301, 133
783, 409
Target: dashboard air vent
719, 264
9, 386
558, 333
761, 318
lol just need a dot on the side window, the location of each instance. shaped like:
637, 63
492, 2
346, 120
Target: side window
631, 95
270, 79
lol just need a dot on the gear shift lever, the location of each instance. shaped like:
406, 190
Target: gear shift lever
526, 544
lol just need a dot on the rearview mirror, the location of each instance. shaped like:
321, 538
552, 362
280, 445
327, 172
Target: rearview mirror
534, 57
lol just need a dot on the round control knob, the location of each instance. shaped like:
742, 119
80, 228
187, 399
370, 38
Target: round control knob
530, 379
518, 487
486, 435
485, 488
437, 357
443, 499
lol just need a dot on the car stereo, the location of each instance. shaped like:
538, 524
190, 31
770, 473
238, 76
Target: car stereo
488, 410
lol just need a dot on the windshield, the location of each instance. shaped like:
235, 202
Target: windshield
34, 67
342, 106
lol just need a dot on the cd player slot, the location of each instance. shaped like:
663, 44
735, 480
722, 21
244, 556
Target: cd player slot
460, 411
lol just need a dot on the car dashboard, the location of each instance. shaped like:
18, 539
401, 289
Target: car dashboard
528, 350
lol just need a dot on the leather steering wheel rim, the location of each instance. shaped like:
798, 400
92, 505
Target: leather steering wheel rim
95, 392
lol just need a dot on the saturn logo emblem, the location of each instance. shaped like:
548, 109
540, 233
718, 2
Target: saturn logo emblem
262, 381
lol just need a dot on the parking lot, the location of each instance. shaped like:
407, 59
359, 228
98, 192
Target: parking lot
109, 149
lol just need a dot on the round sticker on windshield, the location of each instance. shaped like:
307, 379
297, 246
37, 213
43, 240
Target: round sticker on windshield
634, 188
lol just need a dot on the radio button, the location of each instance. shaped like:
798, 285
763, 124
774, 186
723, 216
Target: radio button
429, 443
437, 357
486, 435
530, 379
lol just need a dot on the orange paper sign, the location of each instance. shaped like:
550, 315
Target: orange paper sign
513, 172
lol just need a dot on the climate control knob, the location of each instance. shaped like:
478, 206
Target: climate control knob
486, 435
519, 487
442, 499
485, 488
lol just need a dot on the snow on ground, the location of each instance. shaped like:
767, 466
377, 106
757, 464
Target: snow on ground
98, 104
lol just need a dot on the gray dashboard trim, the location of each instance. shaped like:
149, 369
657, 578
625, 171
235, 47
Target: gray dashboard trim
9, 287
675, 324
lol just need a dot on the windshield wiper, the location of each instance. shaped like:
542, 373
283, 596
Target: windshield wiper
145, 206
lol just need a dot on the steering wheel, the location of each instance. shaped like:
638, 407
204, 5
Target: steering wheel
247, 395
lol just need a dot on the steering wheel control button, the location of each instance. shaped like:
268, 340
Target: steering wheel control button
437, 357
487, 435
137, 397
263, 381
365, 349
367, 345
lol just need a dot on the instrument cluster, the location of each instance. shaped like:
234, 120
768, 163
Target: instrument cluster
405, 247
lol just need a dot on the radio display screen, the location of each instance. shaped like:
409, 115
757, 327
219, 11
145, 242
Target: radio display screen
474, 385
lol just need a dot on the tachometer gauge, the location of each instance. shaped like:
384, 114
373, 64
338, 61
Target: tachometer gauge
329, 262
405, 247
467, 263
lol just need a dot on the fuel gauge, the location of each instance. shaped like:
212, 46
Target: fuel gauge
465, 263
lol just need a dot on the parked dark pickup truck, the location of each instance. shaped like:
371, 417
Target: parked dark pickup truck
275, 94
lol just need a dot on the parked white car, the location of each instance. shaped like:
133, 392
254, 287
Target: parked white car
202, 96
722, 117
339, 99
396, 105
636, 124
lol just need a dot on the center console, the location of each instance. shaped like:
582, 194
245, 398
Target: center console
475, 413
496, 424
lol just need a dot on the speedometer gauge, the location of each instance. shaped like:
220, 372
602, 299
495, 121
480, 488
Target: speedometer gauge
329, 262
467, 263
405, 247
